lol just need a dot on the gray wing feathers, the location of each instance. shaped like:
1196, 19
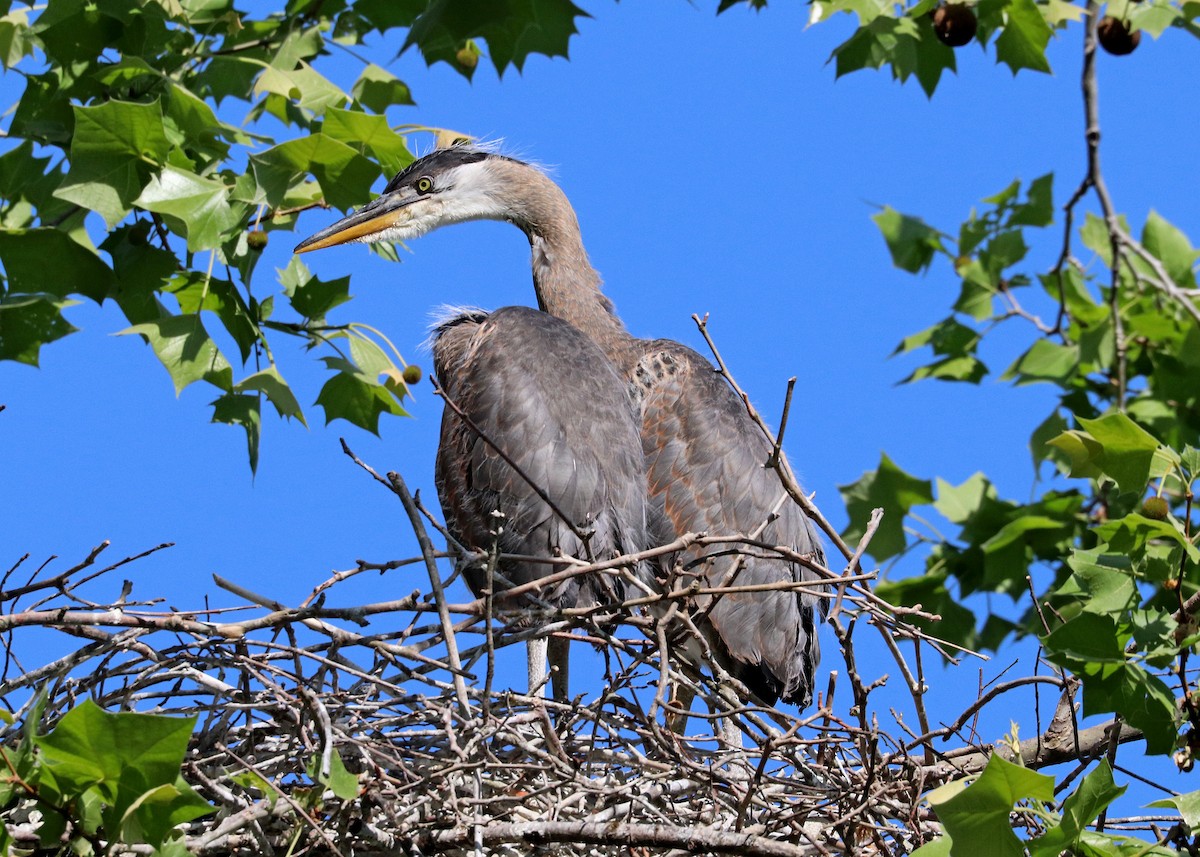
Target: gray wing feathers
705, 461
545, 394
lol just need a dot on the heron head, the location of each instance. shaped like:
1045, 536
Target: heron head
447, 186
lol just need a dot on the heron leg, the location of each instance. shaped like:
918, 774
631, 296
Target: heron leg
558, 651
535, 651
730, 736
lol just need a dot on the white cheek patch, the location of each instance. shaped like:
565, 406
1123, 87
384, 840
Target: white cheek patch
419, 222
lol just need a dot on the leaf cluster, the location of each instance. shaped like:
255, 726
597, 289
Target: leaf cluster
99, 779
149, 123
1112, 577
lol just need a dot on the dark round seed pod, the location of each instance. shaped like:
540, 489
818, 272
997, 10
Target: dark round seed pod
256, 240
412, 374
954, 24
1116, 37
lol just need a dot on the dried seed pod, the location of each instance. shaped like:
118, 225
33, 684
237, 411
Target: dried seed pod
954, 24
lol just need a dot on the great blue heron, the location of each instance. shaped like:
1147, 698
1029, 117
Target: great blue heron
565, 477
704, 456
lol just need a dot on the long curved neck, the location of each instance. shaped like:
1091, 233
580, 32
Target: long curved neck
566, 284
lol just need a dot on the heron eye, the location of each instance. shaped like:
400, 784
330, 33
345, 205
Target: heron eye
424, 184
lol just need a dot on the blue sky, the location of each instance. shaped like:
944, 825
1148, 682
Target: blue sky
716, 167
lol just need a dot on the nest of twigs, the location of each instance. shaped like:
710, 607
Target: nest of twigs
401, 697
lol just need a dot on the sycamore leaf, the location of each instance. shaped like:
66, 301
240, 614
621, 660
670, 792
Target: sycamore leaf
1079, 810
311, 296
48, 261
186, 350
128, 760
27, 322
115, 147
1188, 806
195, 207
345, 176
1022, 44
911, 241
513, 30
979, 814
337, 779
1172, 247
271, 384
1044, 361
242, 409
379, 89
1128, 449
891, 489
302, 86
352, 396
371, 136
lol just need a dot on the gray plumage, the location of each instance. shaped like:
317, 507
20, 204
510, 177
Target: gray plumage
704, 457
573, 434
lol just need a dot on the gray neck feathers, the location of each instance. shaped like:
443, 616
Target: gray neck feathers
566, 284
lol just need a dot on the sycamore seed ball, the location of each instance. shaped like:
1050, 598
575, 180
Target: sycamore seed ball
954, 24
256, 240
412, 374
1116, 37
466, 57
1155, 508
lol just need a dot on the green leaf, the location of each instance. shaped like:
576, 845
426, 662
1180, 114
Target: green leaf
1132, 532
1089, 637
338, 780
910, 240
196, 292
16, 41
978, 290
310, 296
193, 206
941, 847
1022, 44
957, 503
891, 489
1079, 810
979, 814
301, 86
1038, 208
1187, 804
969, 369
1128, 449
1142, 699
27, 322
1082, 451
351, 396
513, 30
123, 757
932, 57
140, 270
379, 89
1172, 248
1039, 442
948, 337
1045, 361
371, 135
1104, 583
115, 148
956, 623
48, 261
242, 409
186, 350
344, 175
271, 384
1190, 457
